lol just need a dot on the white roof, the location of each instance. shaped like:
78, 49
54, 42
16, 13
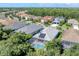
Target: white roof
73, 21
48, 33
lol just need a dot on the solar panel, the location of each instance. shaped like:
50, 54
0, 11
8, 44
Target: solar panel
42, 35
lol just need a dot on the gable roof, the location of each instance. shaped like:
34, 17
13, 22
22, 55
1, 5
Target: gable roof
30, 29
71, 35
50, 33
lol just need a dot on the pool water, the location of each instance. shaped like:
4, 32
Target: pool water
38, 46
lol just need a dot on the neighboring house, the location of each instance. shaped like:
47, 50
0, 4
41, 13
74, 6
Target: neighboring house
15, 18
35, 17
74, 23
30, 29
7, 22
23, 15
46, 19
70, 37
48, 34
28, 16
57, 20
2, 16
15, 26
20, 13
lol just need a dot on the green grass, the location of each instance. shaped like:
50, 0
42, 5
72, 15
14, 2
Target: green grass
65, 26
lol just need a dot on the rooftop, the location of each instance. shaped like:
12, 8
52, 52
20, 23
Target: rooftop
35, 17
15, 25
47, 17
73, 21
71, 35
7, 21
30, 29
22, 14
58, 19
47, 34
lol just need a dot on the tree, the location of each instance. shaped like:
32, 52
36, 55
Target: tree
19, 38
15, 44
20, 49
5, 48
74, 51
37, 52
4, 34
52, 48
62, 22
67, 12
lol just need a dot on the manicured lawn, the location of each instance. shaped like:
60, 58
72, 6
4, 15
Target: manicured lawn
65, 26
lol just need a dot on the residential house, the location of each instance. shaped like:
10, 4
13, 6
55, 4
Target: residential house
7, 22
16, 25
15, 18
48, 34
23, 15
70, 37
30, 29
46, 19
57, 20
2, 16
28, 16
74, 23
35, 17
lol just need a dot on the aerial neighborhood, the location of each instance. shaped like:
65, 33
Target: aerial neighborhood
43, 29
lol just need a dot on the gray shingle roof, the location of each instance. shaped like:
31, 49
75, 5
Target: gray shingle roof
58, 19
30, 29
50, 33
15, 26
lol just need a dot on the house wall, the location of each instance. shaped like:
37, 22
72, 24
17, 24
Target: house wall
75, 27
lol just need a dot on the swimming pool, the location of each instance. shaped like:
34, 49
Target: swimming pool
38, 46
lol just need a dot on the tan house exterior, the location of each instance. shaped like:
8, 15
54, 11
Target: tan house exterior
26, 16
69, 37
7, 22
74, 23
46, 19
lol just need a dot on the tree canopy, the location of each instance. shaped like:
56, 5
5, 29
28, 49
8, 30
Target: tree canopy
14, 43
66, 12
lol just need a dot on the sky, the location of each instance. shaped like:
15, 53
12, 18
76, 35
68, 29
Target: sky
39, 5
